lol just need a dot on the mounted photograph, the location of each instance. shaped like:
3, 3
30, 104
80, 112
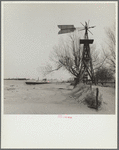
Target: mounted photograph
59, 58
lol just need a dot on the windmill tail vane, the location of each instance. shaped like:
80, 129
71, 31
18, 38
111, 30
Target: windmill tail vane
66, 29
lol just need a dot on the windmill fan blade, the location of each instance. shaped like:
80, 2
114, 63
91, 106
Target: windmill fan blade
90, 32
92, 27
82, 24
86, 23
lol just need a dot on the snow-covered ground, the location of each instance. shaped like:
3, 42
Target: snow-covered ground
20, 98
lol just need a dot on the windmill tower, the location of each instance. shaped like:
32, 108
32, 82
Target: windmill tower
86, 65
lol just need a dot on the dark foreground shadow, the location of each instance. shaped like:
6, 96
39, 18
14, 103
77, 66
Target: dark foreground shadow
64, 89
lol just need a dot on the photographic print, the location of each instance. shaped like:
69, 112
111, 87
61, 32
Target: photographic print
59, 58
59, 74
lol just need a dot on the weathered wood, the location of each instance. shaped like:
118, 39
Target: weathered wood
97, 93
86, 41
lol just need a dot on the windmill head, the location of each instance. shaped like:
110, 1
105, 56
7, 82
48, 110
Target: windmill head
86, 27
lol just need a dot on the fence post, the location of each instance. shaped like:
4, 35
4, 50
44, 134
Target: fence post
97, 92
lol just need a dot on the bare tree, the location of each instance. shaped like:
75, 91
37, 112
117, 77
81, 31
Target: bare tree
68, 55
96, 60
110, 49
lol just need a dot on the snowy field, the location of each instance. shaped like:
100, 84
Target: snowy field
54, 98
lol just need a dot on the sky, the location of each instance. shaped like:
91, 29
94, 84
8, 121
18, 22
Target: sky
29, 32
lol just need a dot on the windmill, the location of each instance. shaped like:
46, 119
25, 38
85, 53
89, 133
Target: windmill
86, 65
